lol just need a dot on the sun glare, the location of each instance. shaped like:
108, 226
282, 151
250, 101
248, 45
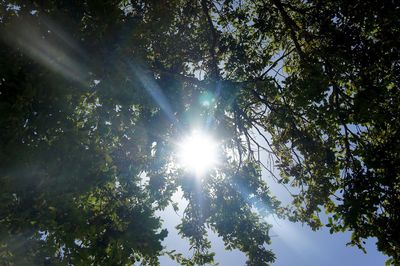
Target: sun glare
197, 153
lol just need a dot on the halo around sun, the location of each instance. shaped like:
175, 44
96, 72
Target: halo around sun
197, 153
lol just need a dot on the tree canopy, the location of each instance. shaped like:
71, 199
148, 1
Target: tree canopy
94, 96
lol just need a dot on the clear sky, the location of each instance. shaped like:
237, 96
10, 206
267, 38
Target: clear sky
292, 243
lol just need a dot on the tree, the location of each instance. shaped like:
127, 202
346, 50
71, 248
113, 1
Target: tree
95, 94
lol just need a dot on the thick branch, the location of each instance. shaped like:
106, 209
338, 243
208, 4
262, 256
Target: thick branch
293, 27
213, 39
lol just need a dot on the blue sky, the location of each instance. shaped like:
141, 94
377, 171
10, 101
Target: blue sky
293, 244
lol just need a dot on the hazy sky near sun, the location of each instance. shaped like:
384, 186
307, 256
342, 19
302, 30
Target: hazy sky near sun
293, 244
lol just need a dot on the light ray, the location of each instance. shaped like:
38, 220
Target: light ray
51, 49
154, 90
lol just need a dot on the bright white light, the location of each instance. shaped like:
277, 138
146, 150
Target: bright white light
198, 153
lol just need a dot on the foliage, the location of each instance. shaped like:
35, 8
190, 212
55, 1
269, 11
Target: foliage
95, 94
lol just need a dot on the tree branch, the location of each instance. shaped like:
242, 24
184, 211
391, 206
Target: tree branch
293, 27
213, 39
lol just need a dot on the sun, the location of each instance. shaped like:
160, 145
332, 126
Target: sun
197, 153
